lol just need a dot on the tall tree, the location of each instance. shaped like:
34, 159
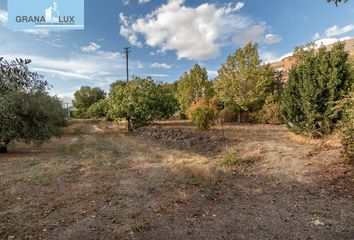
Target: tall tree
192, 86
319, 79
85, 97
242, 80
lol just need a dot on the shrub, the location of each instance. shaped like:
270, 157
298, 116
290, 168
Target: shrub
202, 115
270, 112
31, 117
319, 79
85, 97
98, 109
232, 157
347, 128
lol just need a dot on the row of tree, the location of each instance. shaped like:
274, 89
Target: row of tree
245, 90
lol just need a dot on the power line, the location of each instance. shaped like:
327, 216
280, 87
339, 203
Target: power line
127, 50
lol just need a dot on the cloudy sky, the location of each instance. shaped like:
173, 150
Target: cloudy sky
168, 37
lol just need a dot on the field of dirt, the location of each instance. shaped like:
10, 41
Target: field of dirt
169, 181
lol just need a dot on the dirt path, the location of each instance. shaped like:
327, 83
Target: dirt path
100, 183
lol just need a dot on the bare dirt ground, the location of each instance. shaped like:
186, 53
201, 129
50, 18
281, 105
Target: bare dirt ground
169, 181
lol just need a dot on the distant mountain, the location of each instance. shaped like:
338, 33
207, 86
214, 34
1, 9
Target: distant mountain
286, 63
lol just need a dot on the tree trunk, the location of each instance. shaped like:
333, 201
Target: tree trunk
129, 124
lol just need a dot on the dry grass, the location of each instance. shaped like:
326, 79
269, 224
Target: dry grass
49, 173
235, 157
332, 140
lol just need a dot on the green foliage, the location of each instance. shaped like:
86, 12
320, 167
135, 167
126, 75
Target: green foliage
140, 101
15, 76
232, 157
192, 86
271, 109
31, 117
98, 109
320, 78
347, 127
203, 115
27, 112
337, 1
85, 97
242, 81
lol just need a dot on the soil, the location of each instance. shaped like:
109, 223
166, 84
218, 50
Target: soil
168, 181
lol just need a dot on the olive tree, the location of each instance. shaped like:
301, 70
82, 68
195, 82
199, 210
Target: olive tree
27, 112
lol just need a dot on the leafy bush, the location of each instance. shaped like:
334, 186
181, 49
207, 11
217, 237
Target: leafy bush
98, 109
203, 115
347, 128
85, 97
232, 157
270, 112
31, 117
319, 79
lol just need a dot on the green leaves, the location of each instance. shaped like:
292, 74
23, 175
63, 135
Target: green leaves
85, 97
27, 112
242, 80
193, 86
337, 1
140, 101
30, 116
321, 78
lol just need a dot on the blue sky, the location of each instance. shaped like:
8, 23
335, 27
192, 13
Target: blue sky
169, 37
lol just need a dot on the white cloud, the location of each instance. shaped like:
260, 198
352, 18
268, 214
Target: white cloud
99, 68
125, 2
212, 73
328, 41
127, 32
155, 75
239, 5
316, 36
193, 32
257, 33
268, 57
335, 31
161, 65
37, 32
91, 47
143, 1
3, 18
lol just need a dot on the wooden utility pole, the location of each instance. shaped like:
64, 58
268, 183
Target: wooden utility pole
127, 51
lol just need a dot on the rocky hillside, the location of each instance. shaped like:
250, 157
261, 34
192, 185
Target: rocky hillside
285, 64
